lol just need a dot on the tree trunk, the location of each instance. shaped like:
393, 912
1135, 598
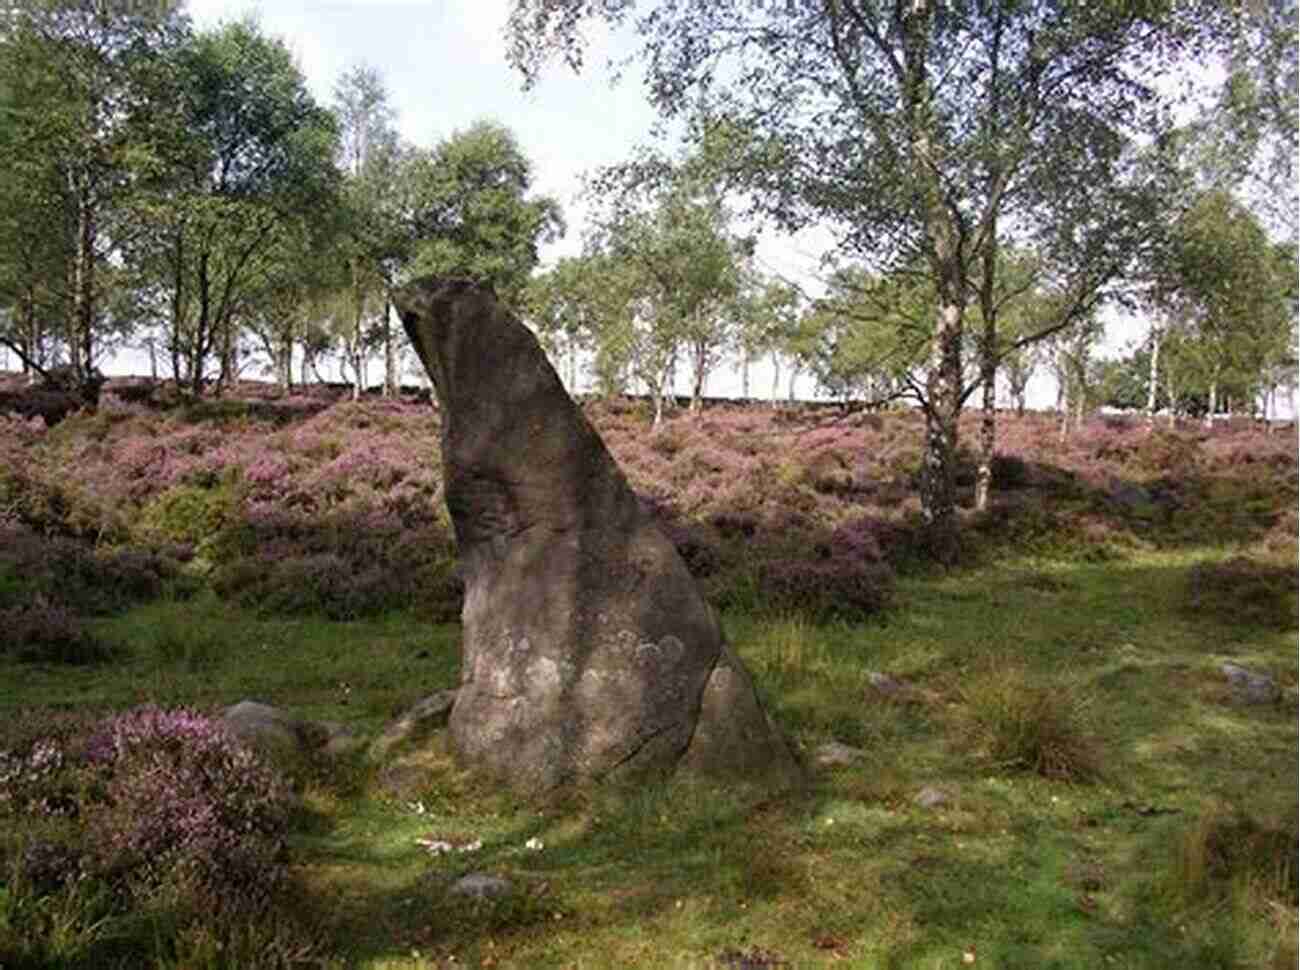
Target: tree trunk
1209, 412
701, 375
81, 349
1063, 403
744, 377
1153, 380
938, 478
229, 371
988, 375
794, 376
391, 384
988, 433
776, 377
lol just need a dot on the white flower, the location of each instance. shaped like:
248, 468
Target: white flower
534, 845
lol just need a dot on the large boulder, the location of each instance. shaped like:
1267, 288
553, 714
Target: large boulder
589, 652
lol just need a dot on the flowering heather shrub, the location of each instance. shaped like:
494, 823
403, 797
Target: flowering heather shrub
264, 486
43, 633
1243, 591
68, 574
837, 586
186, 806
349, 565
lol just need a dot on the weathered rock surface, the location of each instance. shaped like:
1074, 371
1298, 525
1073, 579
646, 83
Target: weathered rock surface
420, 719
273, 729
931, 797
480, 885
1251, 687
589, 651
835, 754
263, 726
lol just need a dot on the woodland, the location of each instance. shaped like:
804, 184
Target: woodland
1040, 663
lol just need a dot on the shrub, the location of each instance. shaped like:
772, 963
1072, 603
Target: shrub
190, 515
1225, 844
151, 838
186, 806
1245, 591
1010, 471
49, 634
837, 586
71, 573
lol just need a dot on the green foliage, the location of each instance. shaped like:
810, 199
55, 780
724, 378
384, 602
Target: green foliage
1229, 296
89, 103
195, 515
471, 211
251, 166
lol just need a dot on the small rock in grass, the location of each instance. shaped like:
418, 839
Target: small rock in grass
480, 885
885, 684
423, 717
1251, 687
340, 740
263, 726
931, 797
833, 754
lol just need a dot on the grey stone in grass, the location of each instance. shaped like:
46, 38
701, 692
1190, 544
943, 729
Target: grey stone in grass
1251, 687
931, 797
419, 720
273, 729
834, 754
885, 684
264, 726
480, 885
340, 740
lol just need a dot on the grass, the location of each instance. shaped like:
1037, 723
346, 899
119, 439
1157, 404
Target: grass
1109, 802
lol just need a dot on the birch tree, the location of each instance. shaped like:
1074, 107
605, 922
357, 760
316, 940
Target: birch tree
921, 131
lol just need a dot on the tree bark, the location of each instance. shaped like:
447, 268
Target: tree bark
391, 383
944, 381
1153, 380
988, 436
81, 349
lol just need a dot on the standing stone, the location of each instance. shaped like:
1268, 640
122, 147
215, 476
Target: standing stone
589, 652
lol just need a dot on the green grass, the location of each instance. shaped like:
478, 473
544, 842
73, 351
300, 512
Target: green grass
1164, 852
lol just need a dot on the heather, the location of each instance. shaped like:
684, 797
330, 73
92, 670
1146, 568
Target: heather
1106, 797
147, 816
302, 504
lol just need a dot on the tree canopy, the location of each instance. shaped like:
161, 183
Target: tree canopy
924, 132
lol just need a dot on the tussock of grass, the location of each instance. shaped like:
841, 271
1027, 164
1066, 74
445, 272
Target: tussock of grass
1226, 847
1228, 880
1022, 725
